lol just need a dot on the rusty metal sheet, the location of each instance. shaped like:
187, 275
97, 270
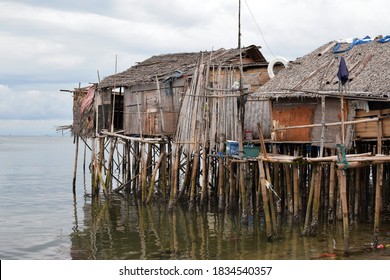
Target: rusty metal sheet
292, 114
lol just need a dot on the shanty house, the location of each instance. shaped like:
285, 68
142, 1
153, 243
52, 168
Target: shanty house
308, 98
148, 95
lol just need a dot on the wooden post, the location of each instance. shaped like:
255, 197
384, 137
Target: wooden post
174, 176
100, 159
296, 192
332, 172
205, 179
93, 166
307, 227
75, 164
163, 171
316, 200
357, 194
231, 185
221, 172
265, 200
153, 179
379, 182
187, 177
110, 164
344, 208
143, 171
287, 173
276, 181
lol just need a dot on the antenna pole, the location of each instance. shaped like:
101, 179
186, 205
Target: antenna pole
239, 24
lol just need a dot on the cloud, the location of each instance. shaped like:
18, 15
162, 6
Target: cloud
44, 103
47, 45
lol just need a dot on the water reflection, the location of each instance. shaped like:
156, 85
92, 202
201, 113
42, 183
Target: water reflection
121, 228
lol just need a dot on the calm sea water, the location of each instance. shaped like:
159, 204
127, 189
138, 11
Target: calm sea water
41, 219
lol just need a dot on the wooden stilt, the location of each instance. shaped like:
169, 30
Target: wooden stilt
153, 179
296, 192
75, 164
143, 171
332, 173
174, 176
221, 173
110, 164
94, 184
344, 208
307, 227
357, 194
264, 193
287, 173
244, 208
379, 182
205, 179
276, 181
316, 200
231, 186
194, 174
187, 177
163, 172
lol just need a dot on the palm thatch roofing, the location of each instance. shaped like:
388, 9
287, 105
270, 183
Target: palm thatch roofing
163, 66
316, 73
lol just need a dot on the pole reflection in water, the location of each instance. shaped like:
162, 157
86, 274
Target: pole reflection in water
123, 228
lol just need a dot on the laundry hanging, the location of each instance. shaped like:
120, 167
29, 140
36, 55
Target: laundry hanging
343, 73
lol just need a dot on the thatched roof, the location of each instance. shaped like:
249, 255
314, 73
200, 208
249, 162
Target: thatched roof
316, 72
163, 66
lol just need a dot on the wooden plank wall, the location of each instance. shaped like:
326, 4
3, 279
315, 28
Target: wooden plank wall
370, 130
142, 106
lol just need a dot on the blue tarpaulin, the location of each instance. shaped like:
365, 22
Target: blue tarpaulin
355, 41
384, 39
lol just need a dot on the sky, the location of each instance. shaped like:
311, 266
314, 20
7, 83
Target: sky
49, 45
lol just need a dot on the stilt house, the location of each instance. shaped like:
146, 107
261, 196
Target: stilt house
148, 95
307, 97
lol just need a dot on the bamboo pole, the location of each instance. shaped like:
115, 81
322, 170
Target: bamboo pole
296, 191
163, 172
344, 208
187, 177
316, 199
100, 161
93, 168
276, 180
379, 182
143, 172
327, 124
174, 176
231, 185
75, 164
153, 179
205, 169
271, 198
194, 173
221, 173
307, 227
290, 207
110, 165
266, 208
331, 212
